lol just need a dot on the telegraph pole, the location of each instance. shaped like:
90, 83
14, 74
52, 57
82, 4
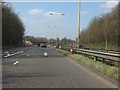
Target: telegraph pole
78, 38
106, 40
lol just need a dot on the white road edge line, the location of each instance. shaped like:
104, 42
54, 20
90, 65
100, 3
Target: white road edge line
15, 62
13, 54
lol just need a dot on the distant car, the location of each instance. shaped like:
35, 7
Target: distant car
43, 45
38, 45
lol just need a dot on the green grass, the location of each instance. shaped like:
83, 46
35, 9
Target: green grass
110, 71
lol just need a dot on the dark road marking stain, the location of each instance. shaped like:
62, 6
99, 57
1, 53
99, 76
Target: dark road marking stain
27, 75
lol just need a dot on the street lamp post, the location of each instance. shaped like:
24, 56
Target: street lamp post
106, 34
56, 34
81, 38
106, 40
56, 27
78, 39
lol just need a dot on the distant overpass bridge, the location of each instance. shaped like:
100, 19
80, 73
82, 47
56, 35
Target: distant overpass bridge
49, 42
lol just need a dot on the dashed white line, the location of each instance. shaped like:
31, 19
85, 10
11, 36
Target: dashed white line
15, 62
8, 55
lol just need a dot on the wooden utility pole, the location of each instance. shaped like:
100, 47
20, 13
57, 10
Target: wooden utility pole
78, 39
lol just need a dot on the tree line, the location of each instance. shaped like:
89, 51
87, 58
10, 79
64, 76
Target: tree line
103, 29
62, 42
66, 42
12, 27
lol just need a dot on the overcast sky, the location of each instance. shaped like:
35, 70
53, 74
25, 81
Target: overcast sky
38, 22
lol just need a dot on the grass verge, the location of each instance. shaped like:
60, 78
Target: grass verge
110, 71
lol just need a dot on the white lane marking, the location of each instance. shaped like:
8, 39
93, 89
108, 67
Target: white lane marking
45, 54
8, 55
15, 62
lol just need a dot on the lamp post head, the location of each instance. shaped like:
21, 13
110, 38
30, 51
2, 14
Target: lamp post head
62, 14
51, 13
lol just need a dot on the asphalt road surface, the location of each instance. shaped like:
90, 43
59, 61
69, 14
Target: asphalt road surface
33, 70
